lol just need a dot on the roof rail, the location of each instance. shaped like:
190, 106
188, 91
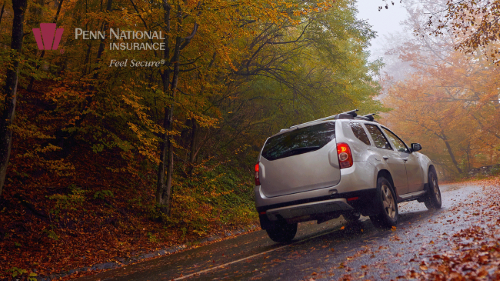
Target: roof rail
368, 117
344, 115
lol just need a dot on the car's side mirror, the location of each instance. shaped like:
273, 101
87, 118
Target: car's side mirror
416, 147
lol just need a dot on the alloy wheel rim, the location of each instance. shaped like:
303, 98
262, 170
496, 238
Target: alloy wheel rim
388, 201
436, 189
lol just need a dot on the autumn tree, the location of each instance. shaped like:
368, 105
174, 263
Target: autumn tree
474, 25
261, 47
10, 88
446, 101
298, 73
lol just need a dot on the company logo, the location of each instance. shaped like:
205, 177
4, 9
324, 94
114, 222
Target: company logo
51, 36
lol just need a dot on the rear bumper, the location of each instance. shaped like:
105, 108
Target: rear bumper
306, 210
321, 209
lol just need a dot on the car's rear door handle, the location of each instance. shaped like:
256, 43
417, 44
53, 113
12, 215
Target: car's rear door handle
405, 159
385, 157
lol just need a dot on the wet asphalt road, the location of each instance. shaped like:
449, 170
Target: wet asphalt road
328, 251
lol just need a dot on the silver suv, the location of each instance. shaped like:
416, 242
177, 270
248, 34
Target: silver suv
343, 164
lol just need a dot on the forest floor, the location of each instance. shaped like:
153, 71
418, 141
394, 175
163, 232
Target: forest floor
51, 246
98, 219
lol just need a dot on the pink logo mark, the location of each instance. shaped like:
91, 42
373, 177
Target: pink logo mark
48, 32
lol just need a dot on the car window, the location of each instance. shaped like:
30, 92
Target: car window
299, 141
377, 136
396, 141
359, 132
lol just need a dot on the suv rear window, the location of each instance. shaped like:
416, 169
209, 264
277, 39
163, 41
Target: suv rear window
299, 141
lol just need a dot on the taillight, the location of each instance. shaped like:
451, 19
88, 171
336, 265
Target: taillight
257, 181
344, 154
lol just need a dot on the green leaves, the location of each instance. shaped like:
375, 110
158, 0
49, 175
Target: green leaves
102, 194
19, 272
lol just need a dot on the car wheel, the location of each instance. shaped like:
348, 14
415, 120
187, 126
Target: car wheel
282, 232
353, 216
386, 205
433, 200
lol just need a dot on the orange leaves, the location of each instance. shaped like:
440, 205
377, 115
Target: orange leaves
448, 106
472, 24
475, 252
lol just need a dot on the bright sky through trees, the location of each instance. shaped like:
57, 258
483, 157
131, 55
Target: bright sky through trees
384, 22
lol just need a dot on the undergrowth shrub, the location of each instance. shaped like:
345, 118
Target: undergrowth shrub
216, 195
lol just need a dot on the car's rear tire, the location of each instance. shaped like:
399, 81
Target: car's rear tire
281, 231
386, 205
351, 217
433, 196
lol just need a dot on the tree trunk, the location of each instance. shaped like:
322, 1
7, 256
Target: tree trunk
1, 13
104, 28
194, 134
10, 89
450, 151
164, 186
